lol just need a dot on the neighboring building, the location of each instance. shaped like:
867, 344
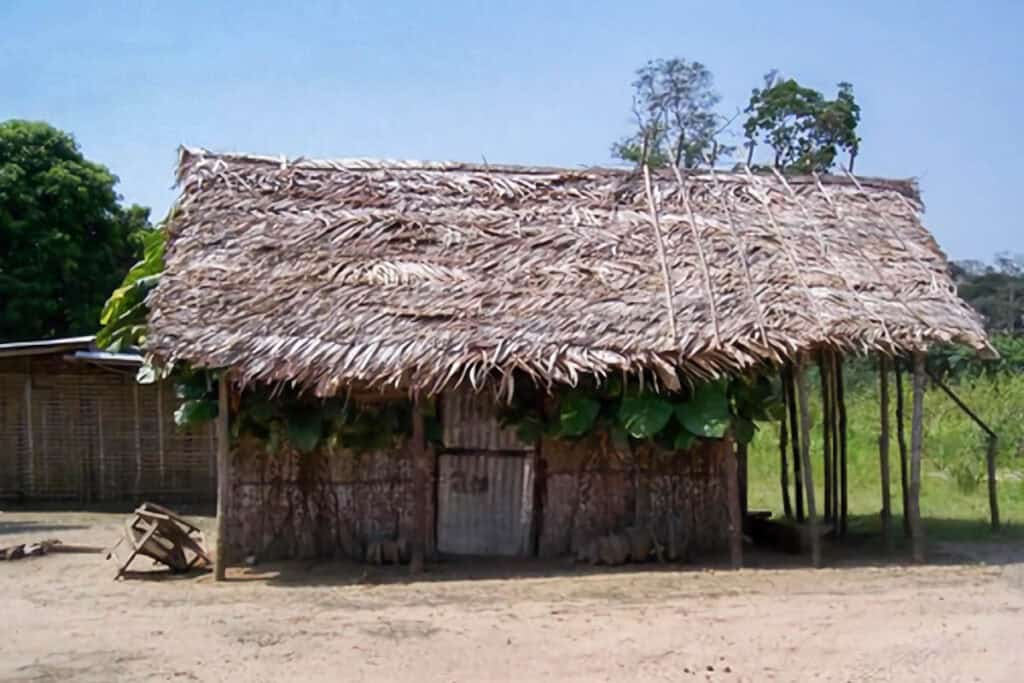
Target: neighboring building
450, 279
76, 426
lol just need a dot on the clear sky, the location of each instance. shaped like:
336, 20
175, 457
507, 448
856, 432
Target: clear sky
939, 83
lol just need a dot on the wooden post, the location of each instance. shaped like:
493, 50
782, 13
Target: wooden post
137, 418
901, 441
732, 486
825, 375
160, 433
787, 506
993, 498
883, 443
805, 458
841, 435
794, 432
741, 462
223, 476
421, 477
916, 443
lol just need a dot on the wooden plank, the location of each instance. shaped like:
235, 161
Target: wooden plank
917, 541
805, 460
137, 430
160, 433
223, 477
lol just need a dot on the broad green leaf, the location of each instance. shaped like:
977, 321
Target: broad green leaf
743, 429
194, 412
576, 414
305, 426
706, 414
684, 440
644, 415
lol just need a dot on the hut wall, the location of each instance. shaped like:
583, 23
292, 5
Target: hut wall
73, 431
322, 504
590, 491
334, 504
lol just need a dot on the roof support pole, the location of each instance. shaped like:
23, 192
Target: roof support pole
883, 443
734, 503
844, 490
917, 541
420, 483
223, 476
901, 441
805, 458
787, 505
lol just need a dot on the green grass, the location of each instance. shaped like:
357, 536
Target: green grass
954, 495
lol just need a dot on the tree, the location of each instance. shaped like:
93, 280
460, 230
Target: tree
674, 103
805, 130
994, 290
65, 241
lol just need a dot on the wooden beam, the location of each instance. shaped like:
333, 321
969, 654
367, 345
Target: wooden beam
223, 476
990, 451
917, 540
743, 475
805, 460
844, 490
30, 469
883, 443
732, 488
901, 441
825, 377
993, 497
420, 482
787, 506
794, 432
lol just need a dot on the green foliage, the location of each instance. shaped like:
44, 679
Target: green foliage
954, 498
996, 290
805, 130
65, 241
123, 318
707, 413
673, 420
674, 104
644, 415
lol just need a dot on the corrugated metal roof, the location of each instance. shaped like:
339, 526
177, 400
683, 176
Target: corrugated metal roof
44, 346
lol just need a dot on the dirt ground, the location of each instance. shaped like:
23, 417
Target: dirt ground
64, 618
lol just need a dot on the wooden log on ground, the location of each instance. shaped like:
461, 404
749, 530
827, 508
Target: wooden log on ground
805, 459
917, 539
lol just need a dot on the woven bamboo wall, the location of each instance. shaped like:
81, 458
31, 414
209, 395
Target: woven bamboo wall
73, 431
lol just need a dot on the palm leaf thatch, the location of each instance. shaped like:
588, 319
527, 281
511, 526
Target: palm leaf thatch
428, 275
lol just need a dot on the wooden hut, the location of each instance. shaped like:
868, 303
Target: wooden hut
75, 426
451, 280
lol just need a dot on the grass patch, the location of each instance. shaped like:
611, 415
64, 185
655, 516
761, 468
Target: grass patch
954, 494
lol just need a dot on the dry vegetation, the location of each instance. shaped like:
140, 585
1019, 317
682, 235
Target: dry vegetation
67, 620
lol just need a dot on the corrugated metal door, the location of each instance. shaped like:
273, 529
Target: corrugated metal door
482, 504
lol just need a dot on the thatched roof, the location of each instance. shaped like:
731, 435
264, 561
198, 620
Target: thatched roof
424, 275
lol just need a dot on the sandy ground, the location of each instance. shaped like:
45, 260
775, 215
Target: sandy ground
65, 619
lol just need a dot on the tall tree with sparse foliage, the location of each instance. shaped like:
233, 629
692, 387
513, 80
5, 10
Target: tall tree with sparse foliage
805, 130
674, 104
65, 240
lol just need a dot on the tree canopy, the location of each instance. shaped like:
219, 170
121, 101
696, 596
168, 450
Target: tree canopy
674, 104
65, 239
804, 129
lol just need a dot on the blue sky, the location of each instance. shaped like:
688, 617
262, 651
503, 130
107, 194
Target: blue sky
522, 82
